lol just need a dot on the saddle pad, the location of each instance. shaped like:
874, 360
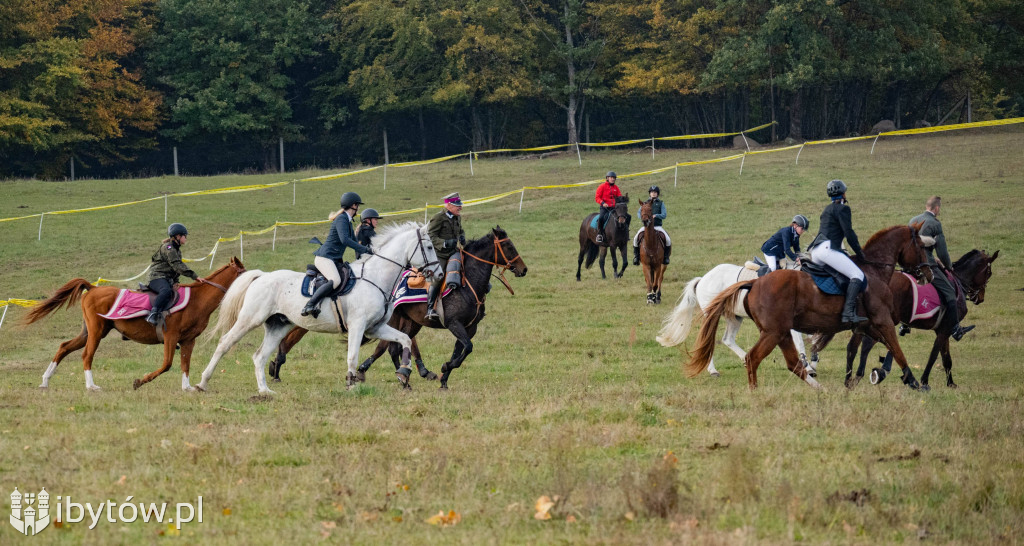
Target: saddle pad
593, 222
827, 285
130, 304
404, 295
308, 286
926, 300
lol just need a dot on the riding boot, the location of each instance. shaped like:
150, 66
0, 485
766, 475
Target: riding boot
957, 332
313, 305
431, 300
154, 316
668, 252
636, 255
850, 307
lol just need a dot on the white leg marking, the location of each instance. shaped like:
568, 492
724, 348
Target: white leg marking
89, 383
50, 370
185, 385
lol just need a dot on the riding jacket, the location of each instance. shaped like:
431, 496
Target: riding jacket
339, 238
445, 230
659, 211
785, 242
836, 224
933, 228
606, 194
167, 264
366, 232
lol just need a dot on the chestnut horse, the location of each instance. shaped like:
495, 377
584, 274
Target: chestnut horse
652, 253
182, 327
463, 308
790, 300
972, 271
616, 236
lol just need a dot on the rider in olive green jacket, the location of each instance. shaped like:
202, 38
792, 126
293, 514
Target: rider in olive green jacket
445, 230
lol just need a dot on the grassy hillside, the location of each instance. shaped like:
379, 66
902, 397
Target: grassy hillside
566, 393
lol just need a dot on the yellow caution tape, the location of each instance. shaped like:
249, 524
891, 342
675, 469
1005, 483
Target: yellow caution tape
338, 175
19, 302
426, 161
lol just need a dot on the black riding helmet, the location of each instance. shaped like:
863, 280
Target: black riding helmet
369, 214
350, 198
802, 221
176, 229
654, 189
835, 188
611, 174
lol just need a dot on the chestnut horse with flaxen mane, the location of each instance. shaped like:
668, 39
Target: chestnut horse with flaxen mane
790, 300
182, 330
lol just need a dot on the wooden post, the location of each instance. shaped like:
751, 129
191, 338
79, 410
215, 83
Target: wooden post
970, 118
165, 208
280, 151
471, 163
175, 161
386, 159
675, 181
72, 168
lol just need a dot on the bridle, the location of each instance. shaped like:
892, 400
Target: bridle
421, 248
973, 293
498, 249
238, 269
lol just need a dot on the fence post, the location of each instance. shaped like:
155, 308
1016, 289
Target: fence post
523, 194
426, 207
165, 208
280, 144
241, 246
742, 161
41, 226
294, 183
675, 181
214, 253
745, 141
873, 142
578, 156
386, 160
798, 152
471, 163
72, 168
273, 243
175, 161
652, 147
4, 315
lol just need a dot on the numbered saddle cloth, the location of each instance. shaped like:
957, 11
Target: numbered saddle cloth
928, 302
131, 304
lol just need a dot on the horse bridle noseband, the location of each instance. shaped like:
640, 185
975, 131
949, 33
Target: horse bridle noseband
504, 267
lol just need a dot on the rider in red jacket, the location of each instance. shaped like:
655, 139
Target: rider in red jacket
605, 196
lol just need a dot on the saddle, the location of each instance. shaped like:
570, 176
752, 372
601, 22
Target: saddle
757, 265
314, 279
828, 280
145, 289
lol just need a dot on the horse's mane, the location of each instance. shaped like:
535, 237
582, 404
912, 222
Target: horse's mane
970, 256
622, 199
390, 231
473, 245
883, 233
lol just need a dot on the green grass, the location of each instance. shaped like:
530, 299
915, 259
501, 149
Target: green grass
566, 393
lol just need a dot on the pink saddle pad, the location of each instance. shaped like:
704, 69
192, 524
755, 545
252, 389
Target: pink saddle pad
926, 300
131, 304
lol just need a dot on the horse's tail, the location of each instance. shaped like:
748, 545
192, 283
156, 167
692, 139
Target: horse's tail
592, 252
678, 322
232, 303
722, 304
66, 295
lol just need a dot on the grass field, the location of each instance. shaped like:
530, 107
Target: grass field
566, 394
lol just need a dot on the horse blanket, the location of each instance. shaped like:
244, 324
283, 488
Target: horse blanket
403, 294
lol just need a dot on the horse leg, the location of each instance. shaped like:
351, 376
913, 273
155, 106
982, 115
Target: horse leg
887, 335
378, 351
273, 334
64, 350
936, 348
765, 343
386, 333
579, 260
793, 361
287, 343
186, 363
463, 346
395, 350
98, 329
947, 363
600, 260
615, 262
242, 326
851, 353
170, 342
798, 340
732, 329
420, 366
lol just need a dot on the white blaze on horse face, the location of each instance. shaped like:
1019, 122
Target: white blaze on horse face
50, 370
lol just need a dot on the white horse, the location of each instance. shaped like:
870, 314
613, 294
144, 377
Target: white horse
698, 294
274, 300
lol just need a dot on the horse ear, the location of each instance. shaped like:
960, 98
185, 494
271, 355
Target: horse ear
641, 201
993, 257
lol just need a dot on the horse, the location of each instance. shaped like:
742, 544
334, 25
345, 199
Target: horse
790, 300
182, 328
616, 236
697, 295
274, 300
652, 253
972, 271
463, 308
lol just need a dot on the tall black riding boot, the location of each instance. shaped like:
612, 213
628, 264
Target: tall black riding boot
636, 255
431, 300
957, 332
313, 305
668, 252
850, 307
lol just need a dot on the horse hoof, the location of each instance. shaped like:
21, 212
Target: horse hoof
429, 376
200, 388
267, 392
951, 385
716, 374
925, 388
95, 388
137, 384
360, 376
275, 379
876, 376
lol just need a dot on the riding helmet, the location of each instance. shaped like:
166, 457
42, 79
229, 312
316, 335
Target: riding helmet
176, 229
655, 189
611, 174
835, 188
350, 198
369, 214
801, 221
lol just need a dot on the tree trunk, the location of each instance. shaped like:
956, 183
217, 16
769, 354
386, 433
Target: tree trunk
570, 66
796, 116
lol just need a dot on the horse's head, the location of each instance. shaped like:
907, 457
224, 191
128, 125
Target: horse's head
646, 212
912, 254
505, 253
974, 269
423, 256
622, 212
228, 272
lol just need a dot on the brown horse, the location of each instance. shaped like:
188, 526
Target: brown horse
790, 300
652, 253
972, 271
182, 327
616, 236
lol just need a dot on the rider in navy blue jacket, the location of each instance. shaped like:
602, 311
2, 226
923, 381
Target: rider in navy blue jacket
785, 242
339, 237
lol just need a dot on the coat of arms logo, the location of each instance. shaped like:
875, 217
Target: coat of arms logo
30, 513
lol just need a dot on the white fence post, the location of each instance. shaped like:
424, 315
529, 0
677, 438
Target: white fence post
241, 246
4, 315
798, 152
175, 161
578, 156
294, 183
471, 173
273, 243
523, 194
652, 147
742, 161
165, 208
873, 142
280, 144
745, 141
675, 181
214, 253
41, 226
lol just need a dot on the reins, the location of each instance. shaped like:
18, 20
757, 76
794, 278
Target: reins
504, 267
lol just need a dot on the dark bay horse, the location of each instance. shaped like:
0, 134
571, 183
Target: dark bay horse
790, 300
972, 270
463, 308
616, 236
183, 327
652, 253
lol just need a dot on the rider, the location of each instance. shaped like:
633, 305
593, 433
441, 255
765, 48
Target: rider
836, 224
605, 196
445, 230
660, 212
166, 268
785, 242
339, 237
933, 228
367, 228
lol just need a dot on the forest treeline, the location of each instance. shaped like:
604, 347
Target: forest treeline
115, 84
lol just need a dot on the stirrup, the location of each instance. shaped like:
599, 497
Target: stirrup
600, 238
309, 310
853, 319
432, 314
154, 318
959, 332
